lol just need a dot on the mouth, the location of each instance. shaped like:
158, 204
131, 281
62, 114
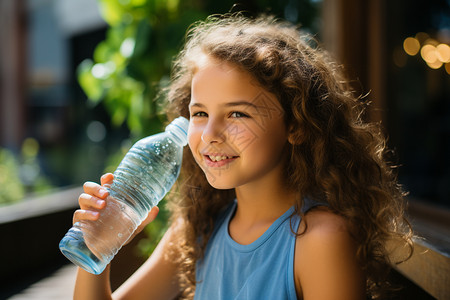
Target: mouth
218, 160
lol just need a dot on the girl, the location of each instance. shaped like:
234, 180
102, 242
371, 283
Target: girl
285, 193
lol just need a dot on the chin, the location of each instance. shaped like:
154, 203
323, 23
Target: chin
218, 183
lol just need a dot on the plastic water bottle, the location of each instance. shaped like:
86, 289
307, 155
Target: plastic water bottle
145, 175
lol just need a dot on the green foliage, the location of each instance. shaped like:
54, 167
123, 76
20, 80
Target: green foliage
113, 160
21, 175
11, 190
131, 65
30, 171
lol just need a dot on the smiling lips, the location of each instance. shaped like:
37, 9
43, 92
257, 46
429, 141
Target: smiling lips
218, 160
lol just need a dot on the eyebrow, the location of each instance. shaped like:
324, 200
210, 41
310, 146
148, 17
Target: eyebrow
240, 103
229, 104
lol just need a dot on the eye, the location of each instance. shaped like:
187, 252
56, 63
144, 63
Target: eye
238, 114
199, 114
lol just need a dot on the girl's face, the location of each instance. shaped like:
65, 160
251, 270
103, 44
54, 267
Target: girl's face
236, 131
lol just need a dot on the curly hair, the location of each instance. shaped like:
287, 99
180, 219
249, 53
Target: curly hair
334, 155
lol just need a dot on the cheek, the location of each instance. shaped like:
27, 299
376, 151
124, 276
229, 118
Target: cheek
269, 143
241, 135
194, 138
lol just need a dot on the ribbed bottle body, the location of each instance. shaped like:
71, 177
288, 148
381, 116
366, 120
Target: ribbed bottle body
147, 172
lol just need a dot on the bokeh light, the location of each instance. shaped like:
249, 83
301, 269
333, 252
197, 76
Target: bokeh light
30, 147
434, 53
443, 53
411, 46
96, 131
428, 53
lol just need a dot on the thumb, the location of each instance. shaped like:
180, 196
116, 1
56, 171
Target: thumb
151, 215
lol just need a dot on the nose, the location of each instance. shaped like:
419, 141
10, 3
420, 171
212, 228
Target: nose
214, 132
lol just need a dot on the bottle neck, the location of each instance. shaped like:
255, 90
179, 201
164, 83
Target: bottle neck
178, 129
177, 138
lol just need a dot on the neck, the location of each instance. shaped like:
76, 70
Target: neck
263, 201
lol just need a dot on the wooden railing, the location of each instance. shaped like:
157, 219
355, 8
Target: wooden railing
429, 267
30, 232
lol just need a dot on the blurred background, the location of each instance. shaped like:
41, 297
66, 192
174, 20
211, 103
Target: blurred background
79, 84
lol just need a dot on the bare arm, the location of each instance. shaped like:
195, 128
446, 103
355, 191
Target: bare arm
89, 286
154, 280
325, 262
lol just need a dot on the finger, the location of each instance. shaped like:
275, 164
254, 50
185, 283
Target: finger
95, 189
107, 179
89, 201
82, 214
153, 213
151, 216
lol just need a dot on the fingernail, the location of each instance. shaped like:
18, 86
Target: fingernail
94, 213
100, 203
103, 192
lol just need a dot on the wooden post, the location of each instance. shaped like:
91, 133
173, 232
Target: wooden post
353, 32
12, 73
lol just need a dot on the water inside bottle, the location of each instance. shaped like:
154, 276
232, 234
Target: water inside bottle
74, 248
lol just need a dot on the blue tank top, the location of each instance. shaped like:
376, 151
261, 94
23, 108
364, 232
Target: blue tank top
263, 269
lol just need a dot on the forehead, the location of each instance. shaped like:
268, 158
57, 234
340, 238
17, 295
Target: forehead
222, 79
216, 67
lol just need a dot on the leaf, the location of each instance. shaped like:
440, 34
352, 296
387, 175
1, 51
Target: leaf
143, 37
12, 189
112, 11
118, 116
103, 52
90, 85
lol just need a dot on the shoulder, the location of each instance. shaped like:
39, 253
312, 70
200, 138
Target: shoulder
321, 221
325, 262
324, 235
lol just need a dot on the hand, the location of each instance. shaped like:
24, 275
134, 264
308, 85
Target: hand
94, 198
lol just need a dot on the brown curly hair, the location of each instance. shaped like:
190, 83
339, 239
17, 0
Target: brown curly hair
334, 155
